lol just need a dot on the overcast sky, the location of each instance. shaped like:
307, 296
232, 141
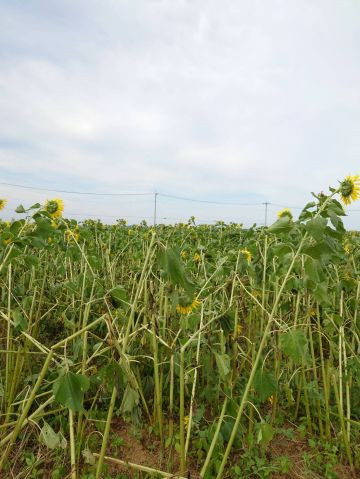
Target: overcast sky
231, 101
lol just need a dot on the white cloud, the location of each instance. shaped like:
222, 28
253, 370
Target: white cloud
250, 101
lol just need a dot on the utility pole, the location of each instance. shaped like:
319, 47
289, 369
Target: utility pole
155, 207
266, 203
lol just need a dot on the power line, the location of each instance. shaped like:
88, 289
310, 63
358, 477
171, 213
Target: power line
285, 206
75, 192
208, 201
164, 195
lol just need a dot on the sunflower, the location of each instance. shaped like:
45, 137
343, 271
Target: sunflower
347, 247
3, 202
285, 212
247, 254
197, 258
186, 308
350, 189
72, 234
54, 207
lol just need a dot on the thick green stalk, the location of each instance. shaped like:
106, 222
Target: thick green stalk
106, 434
256, 362
214, 439
158, 405
72, 445
26, 409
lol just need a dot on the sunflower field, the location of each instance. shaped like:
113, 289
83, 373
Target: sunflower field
180, 351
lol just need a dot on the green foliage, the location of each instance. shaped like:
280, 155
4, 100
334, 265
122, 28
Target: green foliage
294, 344
265, 384
69, 390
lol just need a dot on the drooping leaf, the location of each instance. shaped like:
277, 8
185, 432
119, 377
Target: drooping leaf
69, 390
49, 437
223, 364
264, 384
88, 456
130, 400
174, 270
282, 225
119, 295
266, 433
20, 209
294, 344
316, 227
20, 322
31, 260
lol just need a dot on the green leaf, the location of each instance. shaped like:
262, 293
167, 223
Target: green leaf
281, 250
174, 270
223, 364
31, 260
313, 270
20, 209
119, 295
112, 375
294, 344
266, 433
16, 226
130, 400
69, 390
264, 384
336, 207
35, 206
282, 225
20, 322
319, 250
14, 253
43, 229
316, 227
321, 294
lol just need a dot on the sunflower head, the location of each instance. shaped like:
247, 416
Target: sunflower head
350, 189
285, 212
185, 306
197, 258
246, 254
3, 202
54, 207
72, 235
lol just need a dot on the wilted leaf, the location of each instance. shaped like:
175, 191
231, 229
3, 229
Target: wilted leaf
49, 437
223, 364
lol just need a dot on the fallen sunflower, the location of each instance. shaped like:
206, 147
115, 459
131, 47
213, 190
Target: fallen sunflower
197, 258
184, 308
72, 234
247, 254
54, 207
350, 189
